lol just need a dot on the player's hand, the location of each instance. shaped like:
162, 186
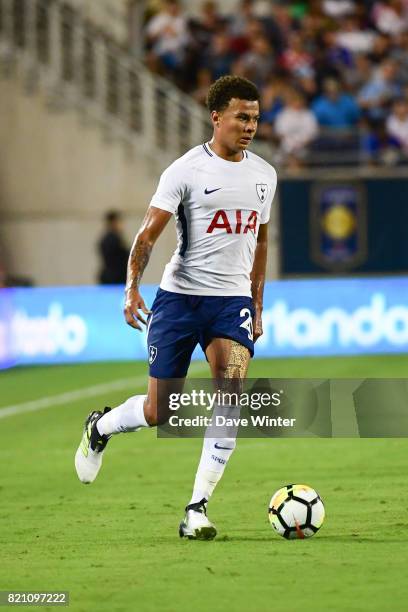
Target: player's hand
133, 303
257, 323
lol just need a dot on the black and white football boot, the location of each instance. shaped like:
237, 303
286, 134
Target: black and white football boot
196, 525
88, 458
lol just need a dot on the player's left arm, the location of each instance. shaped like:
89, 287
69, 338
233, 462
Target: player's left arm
258, 278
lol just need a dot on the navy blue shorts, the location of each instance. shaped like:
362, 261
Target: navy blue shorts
179, 322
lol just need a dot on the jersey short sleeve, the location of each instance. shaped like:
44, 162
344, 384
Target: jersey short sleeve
170, 190
266, 211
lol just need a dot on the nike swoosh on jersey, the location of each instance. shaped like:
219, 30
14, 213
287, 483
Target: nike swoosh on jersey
208, 191
216, 445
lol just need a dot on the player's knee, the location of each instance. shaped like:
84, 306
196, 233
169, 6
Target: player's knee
221, 370
156, 414
150, 412
235, 364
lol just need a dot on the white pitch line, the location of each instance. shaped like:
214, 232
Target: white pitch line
70, 396
79, 394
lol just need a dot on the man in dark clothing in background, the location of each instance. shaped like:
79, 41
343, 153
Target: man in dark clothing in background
113, 251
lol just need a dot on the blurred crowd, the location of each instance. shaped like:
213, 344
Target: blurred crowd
333, 74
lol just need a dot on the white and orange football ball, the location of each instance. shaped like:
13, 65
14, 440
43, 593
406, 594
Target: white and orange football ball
296, 511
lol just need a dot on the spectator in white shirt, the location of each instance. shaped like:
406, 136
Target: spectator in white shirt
397, 123
166, 37
295, 126
390, 17
352, 37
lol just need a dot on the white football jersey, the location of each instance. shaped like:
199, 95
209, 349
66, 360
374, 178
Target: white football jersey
218, 206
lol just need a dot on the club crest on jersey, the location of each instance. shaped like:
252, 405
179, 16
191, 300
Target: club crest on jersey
152, 353
262, 191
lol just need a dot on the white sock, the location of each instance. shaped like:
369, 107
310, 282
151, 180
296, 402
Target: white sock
214, 456
129, 416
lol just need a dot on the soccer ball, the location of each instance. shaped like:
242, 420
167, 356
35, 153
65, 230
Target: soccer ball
296, 511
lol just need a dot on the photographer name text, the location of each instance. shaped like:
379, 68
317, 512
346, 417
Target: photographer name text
222, 421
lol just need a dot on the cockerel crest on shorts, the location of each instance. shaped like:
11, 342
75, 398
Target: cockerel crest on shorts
152, 353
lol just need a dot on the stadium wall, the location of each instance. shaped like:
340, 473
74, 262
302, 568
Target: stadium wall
300, 318
58, 175
111, 15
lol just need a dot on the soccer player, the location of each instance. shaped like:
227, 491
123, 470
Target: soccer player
211, 291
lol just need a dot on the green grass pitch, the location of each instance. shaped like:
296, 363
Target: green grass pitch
114, 544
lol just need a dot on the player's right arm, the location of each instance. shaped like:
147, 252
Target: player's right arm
169, 194
152, 226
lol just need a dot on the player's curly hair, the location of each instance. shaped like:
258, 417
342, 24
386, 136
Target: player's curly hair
227, 87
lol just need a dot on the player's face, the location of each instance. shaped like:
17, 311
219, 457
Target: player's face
235, 127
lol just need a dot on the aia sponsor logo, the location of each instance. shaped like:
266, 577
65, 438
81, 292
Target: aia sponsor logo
234, 222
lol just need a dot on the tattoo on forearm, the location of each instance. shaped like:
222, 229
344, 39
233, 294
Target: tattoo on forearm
138, 260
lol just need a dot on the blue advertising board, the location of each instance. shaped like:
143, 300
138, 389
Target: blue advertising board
300, 318
337, 226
